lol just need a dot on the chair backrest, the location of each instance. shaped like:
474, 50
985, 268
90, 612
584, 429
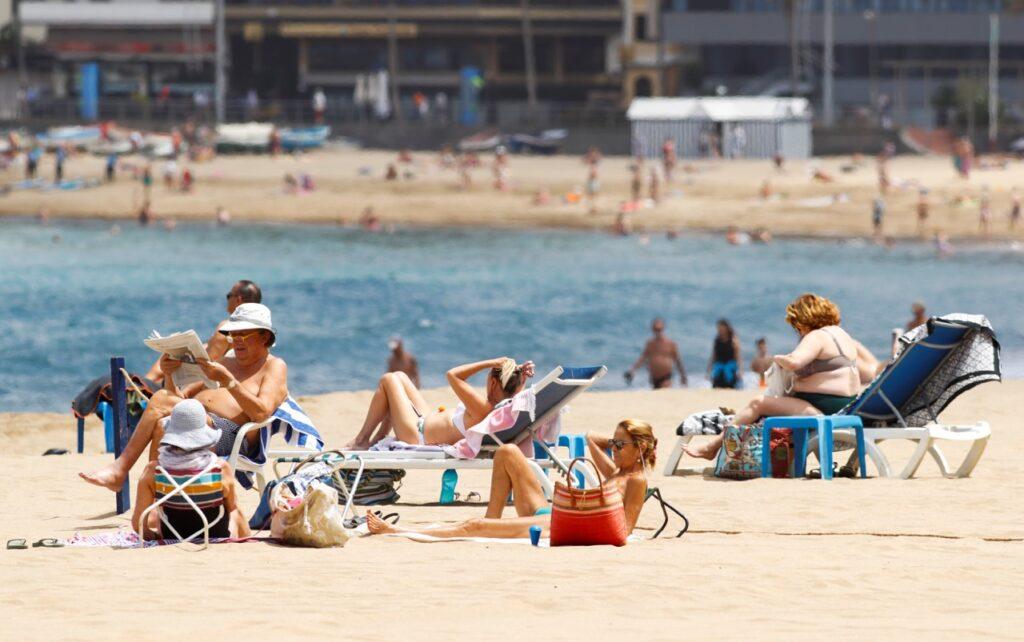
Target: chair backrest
553, 392
883, 400
206, 490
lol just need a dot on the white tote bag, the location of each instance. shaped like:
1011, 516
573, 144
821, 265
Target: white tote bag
779, 381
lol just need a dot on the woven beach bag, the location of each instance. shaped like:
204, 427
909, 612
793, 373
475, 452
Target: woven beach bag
587, 516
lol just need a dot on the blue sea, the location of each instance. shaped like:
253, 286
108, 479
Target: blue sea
72, 294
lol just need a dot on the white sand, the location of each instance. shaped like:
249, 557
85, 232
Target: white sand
769, 559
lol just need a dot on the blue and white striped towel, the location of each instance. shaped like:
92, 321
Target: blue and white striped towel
297, 429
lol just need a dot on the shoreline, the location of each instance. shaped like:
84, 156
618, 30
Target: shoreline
705, 196
418, 226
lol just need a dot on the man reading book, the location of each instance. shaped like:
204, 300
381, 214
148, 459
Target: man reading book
252, 384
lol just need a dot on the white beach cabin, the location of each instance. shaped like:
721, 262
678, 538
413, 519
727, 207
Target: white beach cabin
737, 127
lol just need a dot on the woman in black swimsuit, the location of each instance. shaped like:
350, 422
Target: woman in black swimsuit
724, 367
825, 365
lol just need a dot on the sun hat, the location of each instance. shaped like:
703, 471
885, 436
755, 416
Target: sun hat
250, 316
187, 429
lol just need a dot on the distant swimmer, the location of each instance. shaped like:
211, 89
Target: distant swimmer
734, 236
943, 245
660, 355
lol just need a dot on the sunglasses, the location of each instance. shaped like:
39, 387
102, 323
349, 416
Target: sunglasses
619, 444
240, 336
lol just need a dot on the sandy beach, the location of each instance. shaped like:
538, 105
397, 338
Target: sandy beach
704, 195
924, 559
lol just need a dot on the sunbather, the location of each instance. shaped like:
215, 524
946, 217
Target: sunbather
633, 451
825, 364
253, 383
398, 406
186, 448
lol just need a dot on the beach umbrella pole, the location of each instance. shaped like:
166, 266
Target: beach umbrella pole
120, 408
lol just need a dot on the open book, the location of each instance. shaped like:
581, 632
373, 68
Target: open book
187, 348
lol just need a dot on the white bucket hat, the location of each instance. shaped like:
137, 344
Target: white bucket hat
250, 316
187, 429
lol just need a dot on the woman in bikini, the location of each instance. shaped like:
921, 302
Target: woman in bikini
829, 367
633, 451
398, 406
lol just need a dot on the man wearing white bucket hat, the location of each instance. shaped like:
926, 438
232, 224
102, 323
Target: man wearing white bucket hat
253, 383
187, 445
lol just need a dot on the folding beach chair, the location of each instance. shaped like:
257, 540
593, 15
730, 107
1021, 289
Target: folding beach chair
936, 363
291, 424
553, 393
179, 492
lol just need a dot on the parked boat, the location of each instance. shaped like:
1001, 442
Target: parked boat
484, 141
549, 142
302, 138
74, 136
244, 137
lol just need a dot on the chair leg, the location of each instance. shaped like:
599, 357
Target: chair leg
825, 448
973, 457
923, 446
677, 453
81, 435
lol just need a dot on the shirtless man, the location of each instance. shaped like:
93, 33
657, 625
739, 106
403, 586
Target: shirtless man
660, 354
217, 345
403, 361
253, 383
920, 316
761, 361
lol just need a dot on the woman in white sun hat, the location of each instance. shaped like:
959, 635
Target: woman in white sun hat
252, 384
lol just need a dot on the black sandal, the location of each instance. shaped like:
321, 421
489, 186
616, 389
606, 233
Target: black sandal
17, 544
48, 542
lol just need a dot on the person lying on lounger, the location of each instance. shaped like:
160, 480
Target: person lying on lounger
186, 448
829, 365
633, 451
253, 383
398, 406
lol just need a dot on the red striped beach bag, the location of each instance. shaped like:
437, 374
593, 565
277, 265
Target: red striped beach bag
587, 516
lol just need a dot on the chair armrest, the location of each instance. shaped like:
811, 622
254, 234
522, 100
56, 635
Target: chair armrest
244, 430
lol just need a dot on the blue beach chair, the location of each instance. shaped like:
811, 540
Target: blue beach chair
936, 363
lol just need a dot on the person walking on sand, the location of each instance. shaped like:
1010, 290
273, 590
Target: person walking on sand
923, 205
637, 184
761, 361
401, 360
593, 186
877, 216
660, 354
59, 156
668, 158
654, 187
984, 212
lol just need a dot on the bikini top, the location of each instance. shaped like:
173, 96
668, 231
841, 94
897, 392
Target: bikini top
837, 362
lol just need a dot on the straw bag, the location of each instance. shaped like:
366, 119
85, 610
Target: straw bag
587, 516
314, 520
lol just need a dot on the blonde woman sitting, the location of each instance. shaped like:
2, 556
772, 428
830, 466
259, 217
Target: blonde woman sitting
633, 451
829, 368
398, 406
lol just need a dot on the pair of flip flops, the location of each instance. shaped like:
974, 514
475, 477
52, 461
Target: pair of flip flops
20, 543
845, 471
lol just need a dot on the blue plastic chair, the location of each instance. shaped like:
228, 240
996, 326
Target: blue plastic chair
880, 402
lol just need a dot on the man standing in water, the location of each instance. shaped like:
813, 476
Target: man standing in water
761, 361
660, 354
920, 317
403, 361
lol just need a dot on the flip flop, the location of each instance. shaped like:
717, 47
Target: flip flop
56, 451
48, 542
16, 544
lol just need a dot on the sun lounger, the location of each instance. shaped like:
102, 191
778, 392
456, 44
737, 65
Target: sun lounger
553, 393
936, 363
199, 491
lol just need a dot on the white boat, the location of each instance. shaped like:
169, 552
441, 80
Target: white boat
244, 137
74, 136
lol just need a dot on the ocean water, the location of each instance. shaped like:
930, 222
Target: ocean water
72, 295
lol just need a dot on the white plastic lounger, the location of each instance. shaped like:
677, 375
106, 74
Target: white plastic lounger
936, 362
553, 393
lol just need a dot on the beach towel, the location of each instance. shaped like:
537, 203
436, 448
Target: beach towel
503, 417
